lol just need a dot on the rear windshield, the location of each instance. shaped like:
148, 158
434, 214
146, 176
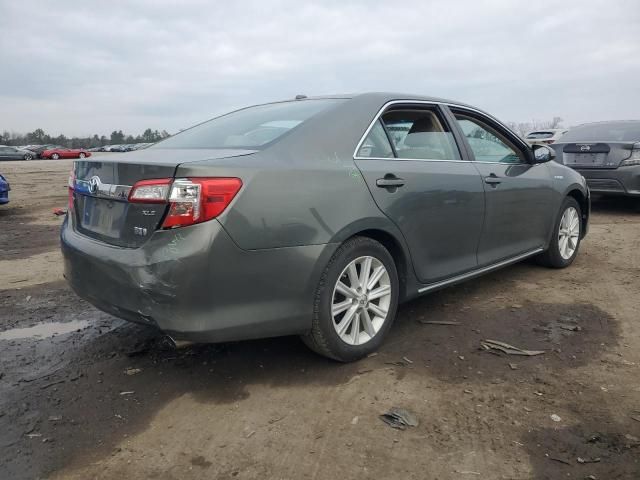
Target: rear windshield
539, 135
612, 132
250, 128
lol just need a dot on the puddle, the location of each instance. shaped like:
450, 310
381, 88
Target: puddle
44, 330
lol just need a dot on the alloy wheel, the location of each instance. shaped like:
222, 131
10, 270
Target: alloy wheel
569, 233
361, 300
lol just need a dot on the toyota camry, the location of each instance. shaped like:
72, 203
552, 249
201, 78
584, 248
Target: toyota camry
314, 217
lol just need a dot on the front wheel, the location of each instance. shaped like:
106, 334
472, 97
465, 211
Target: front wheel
82, 155
55, 156
28, 156
355, 302
567, 234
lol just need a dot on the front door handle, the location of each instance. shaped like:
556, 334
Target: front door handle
493, 180
390, 181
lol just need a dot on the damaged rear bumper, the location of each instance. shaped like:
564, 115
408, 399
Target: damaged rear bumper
196, 284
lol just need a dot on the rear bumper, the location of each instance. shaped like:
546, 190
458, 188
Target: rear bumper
621, 181
196, 284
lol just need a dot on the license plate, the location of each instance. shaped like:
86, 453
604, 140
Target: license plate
585, 159
104, 217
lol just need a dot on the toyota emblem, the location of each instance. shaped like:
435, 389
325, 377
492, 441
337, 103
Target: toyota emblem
94, 184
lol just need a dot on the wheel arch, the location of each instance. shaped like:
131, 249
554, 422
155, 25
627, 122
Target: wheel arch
585, 206
394, 243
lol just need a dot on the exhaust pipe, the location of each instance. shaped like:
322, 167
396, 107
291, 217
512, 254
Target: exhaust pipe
170, 343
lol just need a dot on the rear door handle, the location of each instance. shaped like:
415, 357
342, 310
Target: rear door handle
493, 180
390, 182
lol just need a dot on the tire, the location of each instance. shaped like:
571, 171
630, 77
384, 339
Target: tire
28, 156
557, 256
55, 156
324, 337
81, 155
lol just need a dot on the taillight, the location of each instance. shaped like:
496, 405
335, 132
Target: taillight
191, 200
195, 200
150, 191
634, 158
71, 183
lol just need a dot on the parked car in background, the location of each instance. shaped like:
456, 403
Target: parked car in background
607, 154
191, 234
56, 153
15, 153
545, 137
140, 146
4, 190
38, 149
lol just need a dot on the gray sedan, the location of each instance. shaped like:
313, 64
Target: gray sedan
607, 154
13, 153
316, 217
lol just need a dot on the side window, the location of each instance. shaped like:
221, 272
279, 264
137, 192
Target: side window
488, 144
420, 134
376, 144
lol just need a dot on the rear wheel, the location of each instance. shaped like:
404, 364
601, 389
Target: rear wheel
55, 156
567, 233
81, 155
28, 156
356, 301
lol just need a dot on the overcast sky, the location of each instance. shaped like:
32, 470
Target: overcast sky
83, 67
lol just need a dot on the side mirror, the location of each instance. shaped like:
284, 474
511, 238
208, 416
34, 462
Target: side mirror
543, 153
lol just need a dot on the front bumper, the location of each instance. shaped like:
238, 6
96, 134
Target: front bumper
196, 284
619, 181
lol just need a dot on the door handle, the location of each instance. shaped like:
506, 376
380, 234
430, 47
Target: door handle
493, 180
390, 181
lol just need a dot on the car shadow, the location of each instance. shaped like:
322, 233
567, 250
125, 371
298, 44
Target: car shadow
615, 204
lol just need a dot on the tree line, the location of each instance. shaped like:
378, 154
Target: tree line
40, 137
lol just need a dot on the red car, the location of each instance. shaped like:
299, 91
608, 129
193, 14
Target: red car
56, 153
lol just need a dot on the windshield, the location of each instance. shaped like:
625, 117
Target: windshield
609, 131
250, 128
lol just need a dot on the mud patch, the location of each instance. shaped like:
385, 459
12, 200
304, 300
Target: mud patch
596, 445
571, 335
27, 240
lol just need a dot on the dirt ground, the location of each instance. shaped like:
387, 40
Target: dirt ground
107, 399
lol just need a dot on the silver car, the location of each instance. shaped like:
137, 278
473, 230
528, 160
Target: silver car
546, 136
315, 217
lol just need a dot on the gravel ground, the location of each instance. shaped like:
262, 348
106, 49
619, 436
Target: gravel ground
84, 395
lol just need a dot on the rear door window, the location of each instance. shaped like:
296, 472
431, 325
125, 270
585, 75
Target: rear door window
376, 143
420, 133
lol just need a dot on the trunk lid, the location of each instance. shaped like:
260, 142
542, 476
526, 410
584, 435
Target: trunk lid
102, 185
602, 155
